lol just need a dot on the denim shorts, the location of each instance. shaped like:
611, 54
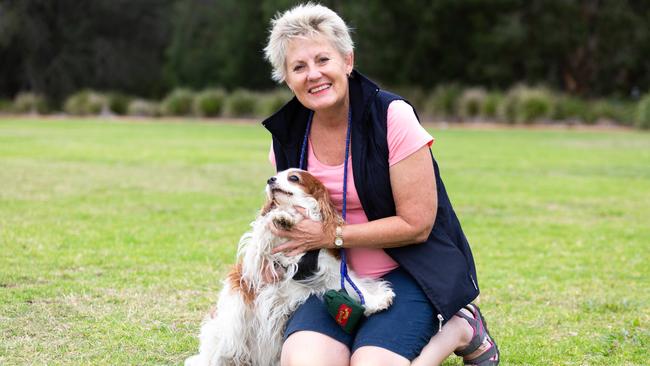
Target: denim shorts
404, 328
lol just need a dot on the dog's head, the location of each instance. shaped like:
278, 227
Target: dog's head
295, 187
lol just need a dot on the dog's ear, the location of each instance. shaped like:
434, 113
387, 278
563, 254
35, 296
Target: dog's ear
329, 214
268, 206
238, 283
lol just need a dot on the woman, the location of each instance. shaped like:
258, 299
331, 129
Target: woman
399, 222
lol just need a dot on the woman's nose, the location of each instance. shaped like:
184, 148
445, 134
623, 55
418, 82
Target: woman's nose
314, 74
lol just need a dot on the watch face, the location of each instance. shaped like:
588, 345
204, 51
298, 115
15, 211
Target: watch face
338, 242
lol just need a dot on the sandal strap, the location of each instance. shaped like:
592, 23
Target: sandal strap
485, 358
479, 332
482, 333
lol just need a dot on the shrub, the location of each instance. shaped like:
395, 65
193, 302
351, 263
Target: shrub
613, 111
527, 105
240, 103
507, 108
624, 112
442, 102
470, 103
6, 106
29, 103
535, 105
178, 103
118, 103
270, 102
572, 109
143, 108
86, 102
209, 103
643, 113
490, 106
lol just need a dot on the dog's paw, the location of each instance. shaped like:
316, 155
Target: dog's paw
193, 361
380, 300
282, 220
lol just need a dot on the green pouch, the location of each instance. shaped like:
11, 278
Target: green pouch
344, 309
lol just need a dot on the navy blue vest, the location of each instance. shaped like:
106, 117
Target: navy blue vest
443, 266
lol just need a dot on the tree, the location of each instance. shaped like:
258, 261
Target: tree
60, 46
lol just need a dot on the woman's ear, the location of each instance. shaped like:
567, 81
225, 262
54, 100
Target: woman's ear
349, 63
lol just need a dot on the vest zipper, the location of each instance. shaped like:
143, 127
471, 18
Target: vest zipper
440, 320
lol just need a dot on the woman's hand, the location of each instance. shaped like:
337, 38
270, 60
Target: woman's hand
304, 236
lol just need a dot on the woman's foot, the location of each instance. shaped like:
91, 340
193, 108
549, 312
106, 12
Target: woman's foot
480, 348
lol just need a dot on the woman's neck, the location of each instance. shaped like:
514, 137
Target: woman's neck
333, 117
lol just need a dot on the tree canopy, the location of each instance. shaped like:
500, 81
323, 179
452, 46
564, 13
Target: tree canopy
147, 47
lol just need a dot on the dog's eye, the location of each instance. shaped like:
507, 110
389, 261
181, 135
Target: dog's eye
294, 178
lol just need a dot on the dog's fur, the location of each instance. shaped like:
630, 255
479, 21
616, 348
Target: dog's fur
260, 293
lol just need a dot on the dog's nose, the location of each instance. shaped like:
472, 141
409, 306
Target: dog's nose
271, 180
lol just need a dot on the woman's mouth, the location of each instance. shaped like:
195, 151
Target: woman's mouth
319, 88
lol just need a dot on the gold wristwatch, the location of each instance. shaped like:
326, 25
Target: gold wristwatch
338, 238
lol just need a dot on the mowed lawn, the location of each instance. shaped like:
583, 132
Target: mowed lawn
114, 236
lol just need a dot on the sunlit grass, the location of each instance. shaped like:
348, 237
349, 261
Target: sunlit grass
114, 235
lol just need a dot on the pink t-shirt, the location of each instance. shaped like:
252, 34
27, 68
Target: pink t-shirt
405, 136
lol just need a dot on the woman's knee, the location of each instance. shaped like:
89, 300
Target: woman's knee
377, 356
307, 348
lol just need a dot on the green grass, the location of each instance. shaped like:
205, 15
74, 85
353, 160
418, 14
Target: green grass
114, 237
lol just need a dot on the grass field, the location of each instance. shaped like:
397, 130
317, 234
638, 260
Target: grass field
113, 237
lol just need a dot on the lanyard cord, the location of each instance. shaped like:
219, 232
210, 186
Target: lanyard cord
303, 153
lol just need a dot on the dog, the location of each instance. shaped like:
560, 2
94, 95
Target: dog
260, 292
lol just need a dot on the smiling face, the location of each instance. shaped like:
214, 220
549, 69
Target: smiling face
317, 73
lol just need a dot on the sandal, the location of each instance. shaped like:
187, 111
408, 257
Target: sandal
481, 334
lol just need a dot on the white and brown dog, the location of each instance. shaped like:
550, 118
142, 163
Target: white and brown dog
252, 310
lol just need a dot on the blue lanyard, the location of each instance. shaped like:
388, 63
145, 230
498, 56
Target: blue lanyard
303, 166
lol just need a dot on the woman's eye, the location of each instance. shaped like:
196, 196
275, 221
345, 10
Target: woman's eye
294, 178
297, 68
323, 59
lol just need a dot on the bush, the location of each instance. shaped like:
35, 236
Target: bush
6, 106
643, 113
270, 102
613, 111
118, 103
29, 103
470, 103
527, 105
240, 103
507, 108
490, 106
442, 102
86, 102
572, 109
535, 105
143, 108
178, 103
209, 103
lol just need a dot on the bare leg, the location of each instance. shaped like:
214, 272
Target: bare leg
306, 348
377, 356
455, 334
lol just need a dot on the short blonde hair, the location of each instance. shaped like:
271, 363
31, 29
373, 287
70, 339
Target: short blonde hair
306, 20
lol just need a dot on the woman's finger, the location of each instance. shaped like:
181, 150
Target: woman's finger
294, 253
278, 232
288, 246
301, 210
